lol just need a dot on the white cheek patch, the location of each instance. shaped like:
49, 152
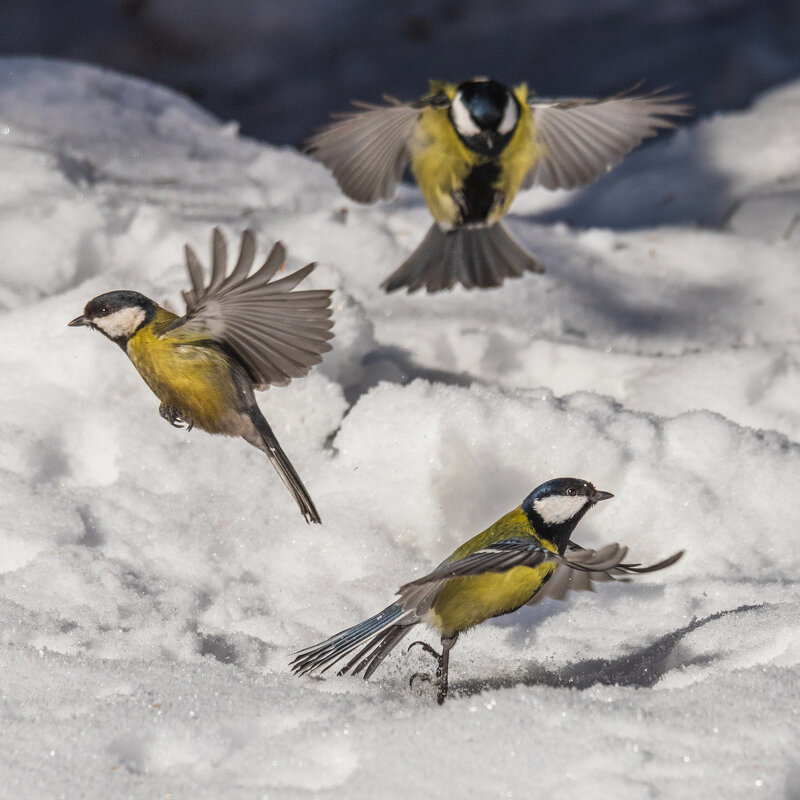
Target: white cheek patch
510, 117
558, 508
464, 123
121, 323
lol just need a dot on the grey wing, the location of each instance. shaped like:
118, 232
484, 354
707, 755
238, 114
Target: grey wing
367, 150
582, 568
584, 138
276, 333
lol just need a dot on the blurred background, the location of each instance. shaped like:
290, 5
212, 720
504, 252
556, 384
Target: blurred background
279, 67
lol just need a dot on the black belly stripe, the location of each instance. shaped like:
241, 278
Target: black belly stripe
478, 195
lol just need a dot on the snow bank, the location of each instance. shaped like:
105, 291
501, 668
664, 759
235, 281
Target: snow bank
153, 584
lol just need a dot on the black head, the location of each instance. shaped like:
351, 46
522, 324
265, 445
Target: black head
556, 507
485, 115
117, 315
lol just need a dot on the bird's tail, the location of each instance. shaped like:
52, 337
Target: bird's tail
381, 633
483, 257
267, 442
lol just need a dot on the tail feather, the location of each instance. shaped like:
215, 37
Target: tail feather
388, 642
482, 257
267, 442
383, 631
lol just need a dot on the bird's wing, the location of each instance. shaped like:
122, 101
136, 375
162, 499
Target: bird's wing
367, 150
582, 568
277, 334
501, 556
583, 138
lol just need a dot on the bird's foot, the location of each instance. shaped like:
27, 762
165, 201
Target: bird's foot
174, 417
426, 647
424, 676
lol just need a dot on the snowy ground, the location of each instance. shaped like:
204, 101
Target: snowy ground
153, 584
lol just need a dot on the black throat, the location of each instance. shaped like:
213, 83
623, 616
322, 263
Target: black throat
486, 143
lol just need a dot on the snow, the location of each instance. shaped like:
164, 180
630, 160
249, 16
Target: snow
153, 583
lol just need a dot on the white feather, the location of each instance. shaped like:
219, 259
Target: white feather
510, 116
464, 123
558, 507
121, 323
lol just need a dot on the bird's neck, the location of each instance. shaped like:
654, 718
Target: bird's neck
139, 318
557, 534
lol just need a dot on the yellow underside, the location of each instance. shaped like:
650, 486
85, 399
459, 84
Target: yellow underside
464, 602
195, 380
440, 162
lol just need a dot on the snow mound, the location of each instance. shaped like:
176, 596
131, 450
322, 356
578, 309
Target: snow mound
153, 584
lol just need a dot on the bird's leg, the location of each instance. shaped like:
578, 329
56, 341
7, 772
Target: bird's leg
442, 668
174, 417
422, 675
444, 665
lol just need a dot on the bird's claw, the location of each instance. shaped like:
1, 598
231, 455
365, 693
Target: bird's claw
174, 417
426, 647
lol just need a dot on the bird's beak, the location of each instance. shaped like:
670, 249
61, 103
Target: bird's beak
598, 496
81, 320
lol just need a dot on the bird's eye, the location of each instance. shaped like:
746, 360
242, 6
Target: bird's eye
103, 311
572, 492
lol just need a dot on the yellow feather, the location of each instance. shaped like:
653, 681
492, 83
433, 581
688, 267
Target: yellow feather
440, 161
465, 602
519, 155
193, 378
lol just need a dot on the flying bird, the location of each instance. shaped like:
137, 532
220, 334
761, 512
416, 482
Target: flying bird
241, 332
472, 146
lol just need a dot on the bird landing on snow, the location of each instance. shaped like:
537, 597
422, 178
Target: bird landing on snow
524, 556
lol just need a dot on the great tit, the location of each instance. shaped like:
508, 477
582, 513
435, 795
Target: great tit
524, 556
238, 334
472, 147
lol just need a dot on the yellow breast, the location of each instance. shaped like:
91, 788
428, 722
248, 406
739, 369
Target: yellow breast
465, 602
440, 161
194, 379
519, 155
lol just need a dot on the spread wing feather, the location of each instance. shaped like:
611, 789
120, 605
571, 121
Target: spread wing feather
578, 568
569, 576
583, 138
367, 150
276, 333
